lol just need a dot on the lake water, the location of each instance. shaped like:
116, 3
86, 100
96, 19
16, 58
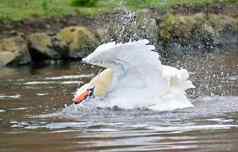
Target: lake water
33, 117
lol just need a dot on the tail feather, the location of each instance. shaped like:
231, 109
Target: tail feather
177, 79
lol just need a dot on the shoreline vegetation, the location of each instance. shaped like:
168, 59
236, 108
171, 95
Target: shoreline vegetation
33, 31
14, 10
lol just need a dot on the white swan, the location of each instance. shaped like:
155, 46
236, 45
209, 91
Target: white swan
135, 78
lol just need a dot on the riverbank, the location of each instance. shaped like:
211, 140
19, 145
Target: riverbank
177, 30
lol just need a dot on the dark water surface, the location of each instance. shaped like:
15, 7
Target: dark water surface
33, 117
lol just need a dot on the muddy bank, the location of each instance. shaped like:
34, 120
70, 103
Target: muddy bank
182, 30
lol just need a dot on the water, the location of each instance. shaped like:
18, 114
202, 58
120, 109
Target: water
33, 117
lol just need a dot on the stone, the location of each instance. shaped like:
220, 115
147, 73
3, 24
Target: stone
14, 50
78, 41
41, 44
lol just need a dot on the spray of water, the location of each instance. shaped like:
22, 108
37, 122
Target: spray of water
139, 78
126, 25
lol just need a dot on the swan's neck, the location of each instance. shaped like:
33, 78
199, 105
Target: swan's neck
119, 71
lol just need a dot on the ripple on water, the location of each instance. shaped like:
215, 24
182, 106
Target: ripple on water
87, 126
19, 108
182, 129
2, 110
16, 124
233, 78
42, 94
58, 125
10, 96
70, 77
116, 129
51, 82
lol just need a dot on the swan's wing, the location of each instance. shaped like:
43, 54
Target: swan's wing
135, 61
132, 53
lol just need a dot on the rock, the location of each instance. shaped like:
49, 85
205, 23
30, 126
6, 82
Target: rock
41, 46
14, 50
196, 32
178, 27
6, 57
78, 41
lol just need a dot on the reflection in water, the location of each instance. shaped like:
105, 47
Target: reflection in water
33, 116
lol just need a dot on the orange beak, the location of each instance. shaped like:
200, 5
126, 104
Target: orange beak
82, 97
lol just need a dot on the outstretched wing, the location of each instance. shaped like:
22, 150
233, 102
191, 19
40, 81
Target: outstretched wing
133, 53
133, 62
139, 78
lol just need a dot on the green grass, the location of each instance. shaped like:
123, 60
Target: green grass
166, 4
22, 9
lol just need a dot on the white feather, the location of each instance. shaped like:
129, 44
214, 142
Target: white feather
139, 78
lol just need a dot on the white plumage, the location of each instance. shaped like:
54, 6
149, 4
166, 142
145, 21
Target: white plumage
138, 77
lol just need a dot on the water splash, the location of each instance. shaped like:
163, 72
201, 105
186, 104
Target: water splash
125, 25
139, 78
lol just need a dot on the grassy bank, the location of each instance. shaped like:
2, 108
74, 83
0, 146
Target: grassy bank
167, 4
22, 9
